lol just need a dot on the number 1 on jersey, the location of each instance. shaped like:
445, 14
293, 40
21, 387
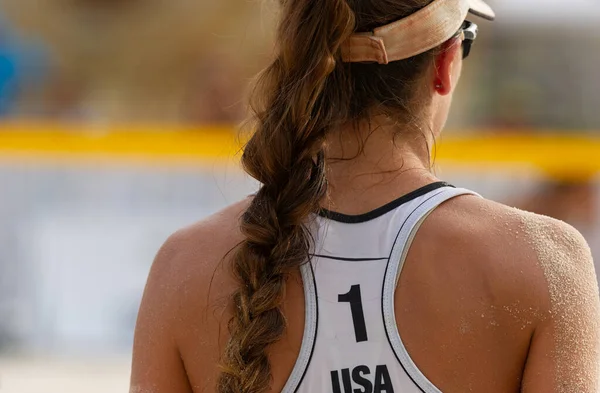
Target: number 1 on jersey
358, 316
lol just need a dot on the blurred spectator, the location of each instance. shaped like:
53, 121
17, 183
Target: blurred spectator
214, 96
7, 79
23, 68
572, 202
138, 60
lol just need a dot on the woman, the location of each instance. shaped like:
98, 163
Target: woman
354, 269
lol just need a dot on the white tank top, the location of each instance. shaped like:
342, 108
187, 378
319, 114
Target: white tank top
351, 342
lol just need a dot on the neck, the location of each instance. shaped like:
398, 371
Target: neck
369, 166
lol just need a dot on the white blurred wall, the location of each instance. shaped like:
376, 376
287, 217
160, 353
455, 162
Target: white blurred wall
77, 244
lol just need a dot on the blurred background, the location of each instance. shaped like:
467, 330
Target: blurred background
117, 127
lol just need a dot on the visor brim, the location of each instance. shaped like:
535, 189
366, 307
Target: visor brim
481, 9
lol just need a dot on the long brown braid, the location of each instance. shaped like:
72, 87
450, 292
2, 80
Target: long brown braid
305, 92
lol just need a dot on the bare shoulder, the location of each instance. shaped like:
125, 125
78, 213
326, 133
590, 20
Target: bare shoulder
219, 229
191, 271
199, 248
503, 276
541, 240
180, 322
547, 280
523, 252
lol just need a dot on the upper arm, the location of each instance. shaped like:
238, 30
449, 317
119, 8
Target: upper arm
181, 324
565, 348
157, 364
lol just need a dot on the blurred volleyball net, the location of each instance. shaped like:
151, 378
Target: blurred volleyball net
568, 156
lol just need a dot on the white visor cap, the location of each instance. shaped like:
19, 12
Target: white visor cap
417, 33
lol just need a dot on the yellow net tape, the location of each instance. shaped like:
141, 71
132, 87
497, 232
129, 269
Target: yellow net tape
568, 156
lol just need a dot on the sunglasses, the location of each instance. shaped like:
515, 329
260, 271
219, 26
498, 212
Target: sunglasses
469, 31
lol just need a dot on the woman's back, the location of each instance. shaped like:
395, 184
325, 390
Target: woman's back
456, 294
482, 290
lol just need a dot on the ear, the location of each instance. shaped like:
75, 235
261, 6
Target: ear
443, 82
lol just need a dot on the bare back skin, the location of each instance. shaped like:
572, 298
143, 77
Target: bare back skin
477, 304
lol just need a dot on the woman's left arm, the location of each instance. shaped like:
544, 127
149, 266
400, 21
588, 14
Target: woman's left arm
157, 363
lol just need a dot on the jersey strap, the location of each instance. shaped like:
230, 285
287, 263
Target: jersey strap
310, 330
404, 238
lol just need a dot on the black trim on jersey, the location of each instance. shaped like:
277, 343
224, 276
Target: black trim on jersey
349, 259
312, 351
387, 334
380, 211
